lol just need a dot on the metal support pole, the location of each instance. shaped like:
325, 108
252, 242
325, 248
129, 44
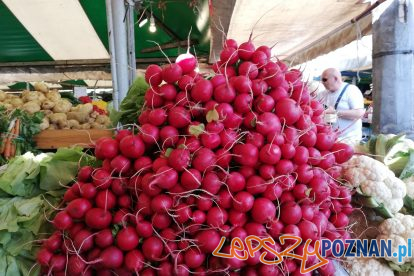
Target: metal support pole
130, 23
120, 42
393, 71
115, 92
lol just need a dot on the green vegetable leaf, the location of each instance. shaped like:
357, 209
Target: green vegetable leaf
212, 115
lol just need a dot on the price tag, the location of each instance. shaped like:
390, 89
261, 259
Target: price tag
80, 91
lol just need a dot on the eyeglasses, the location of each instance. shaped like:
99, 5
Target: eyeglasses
325, 79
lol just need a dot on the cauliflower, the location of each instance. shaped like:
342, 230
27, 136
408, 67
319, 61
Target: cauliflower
375, 180
399, 229
367, 267
409, 183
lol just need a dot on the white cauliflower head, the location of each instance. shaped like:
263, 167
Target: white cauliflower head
374, 179
399, 229
367, 267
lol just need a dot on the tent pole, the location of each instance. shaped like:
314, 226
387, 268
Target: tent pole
392, 68
120, 43
130, 23
115, 91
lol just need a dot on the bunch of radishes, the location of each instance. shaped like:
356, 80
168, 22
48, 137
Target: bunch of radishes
243, 153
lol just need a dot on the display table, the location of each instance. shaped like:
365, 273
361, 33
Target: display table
53, 139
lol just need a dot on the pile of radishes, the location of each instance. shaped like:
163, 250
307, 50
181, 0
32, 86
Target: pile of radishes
243, 153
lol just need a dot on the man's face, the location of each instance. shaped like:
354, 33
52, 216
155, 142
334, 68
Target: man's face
329, 82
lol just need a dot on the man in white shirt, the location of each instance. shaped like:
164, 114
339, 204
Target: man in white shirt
346, 101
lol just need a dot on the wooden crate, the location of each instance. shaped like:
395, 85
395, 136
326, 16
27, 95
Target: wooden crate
53, 139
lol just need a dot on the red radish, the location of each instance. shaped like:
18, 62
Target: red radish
288, 110
259, 87
105, 199
216, 217
248, 69
134, 260
187, 62
342, 152
83, 240
63, 220
153, 75
204, 159
57, 263
324, 141
169, 136
78, 208
120, 164
144, 229
202, 91
291, 213
44, 256
259, 58
111, 257
168, 92
229, 56
165, 178
308, 139
191, 179
127, 238
242, 84
132, 146
161, 203
237, 218
106, 148
270, 154
204, 203
246, 50
224, 93
85, 174
179, 117
98, 218
208, 240
152, 248
267, 123
236, 182
273, 191
194, 258
263, 210
246, 154
264, 103
243, 103
104, 238
171, 73
179, 159
157, 116
211, 183
230, 43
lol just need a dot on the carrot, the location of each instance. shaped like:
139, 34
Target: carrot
8, 140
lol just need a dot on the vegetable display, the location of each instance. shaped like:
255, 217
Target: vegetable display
242, 153
31, 187
59, 112
17, 129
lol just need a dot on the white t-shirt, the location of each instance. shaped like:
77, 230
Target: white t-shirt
351, 99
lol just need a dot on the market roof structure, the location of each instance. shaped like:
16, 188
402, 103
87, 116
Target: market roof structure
67, 39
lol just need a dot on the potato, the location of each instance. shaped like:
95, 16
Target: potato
47, 112
63, 124
52, 126
45, 123
103, 119
74, 124
94, 114
85, 126
16, 102
41, 86
11, 96
40, 96
28, 96
62, 106
2, 96
55, 117
78, 116
86, 108
53, 96
48, 104
31, 107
